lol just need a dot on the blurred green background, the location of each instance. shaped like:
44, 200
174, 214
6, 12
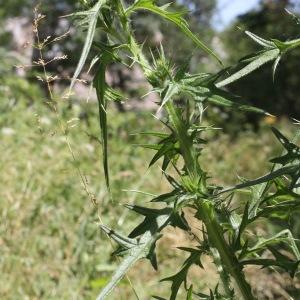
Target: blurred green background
50, 244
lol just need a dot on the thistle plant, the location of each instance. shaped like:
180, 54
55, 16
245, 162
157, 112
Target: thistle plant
226, 225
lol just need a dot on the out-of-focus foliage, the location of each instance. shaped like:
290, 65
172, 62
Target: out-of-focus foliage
145, 24
56, 251
14, 88
270, 20
49, 248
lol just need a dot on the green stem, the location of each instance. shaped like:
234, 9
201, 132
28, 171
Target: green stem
206, 208
224, 275
216, 238
186, 144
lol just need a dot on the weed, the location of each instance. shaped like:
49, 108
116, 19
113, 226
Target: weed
224, 227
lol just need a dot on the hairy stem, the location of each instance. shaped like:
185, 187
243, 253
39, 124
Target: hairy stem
207, 214
206, 208
186, 145
224, 275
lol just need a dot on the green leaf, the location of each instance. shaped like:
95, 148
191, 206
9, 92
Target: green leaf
284, 236
153, 133
273, 50
222, 98
284, 261
200, 88
150, 220
242, 226
167, 149
144, 249
120, 239
262, 59
174, 17
275, 65
284, 141
149, 146
294, 17
288, 170
91, 17
280, 260
293, 151
189, 295
259, 40
100, 85
151, 215
172, 181
105, 93
167, 198
123, 267
181, 276
169, 92
284, 208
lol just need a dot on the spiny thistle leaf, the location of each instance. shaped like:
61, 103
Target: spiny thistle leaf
90, 17
120, 239
155, 221
285, 236
105, 93
201, 88
294, 17
280, 261
242, 227
214, 295
225, 99
100, 85
172, 181
154, 133
262, 59
148, 212
259, 40
136, 254
167, 198
188, 152
283, 209
174, 17
181, 276
151, 216
273, 50
287, 170
167, 148
149, 146
293, 151
144, 249
275, 65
